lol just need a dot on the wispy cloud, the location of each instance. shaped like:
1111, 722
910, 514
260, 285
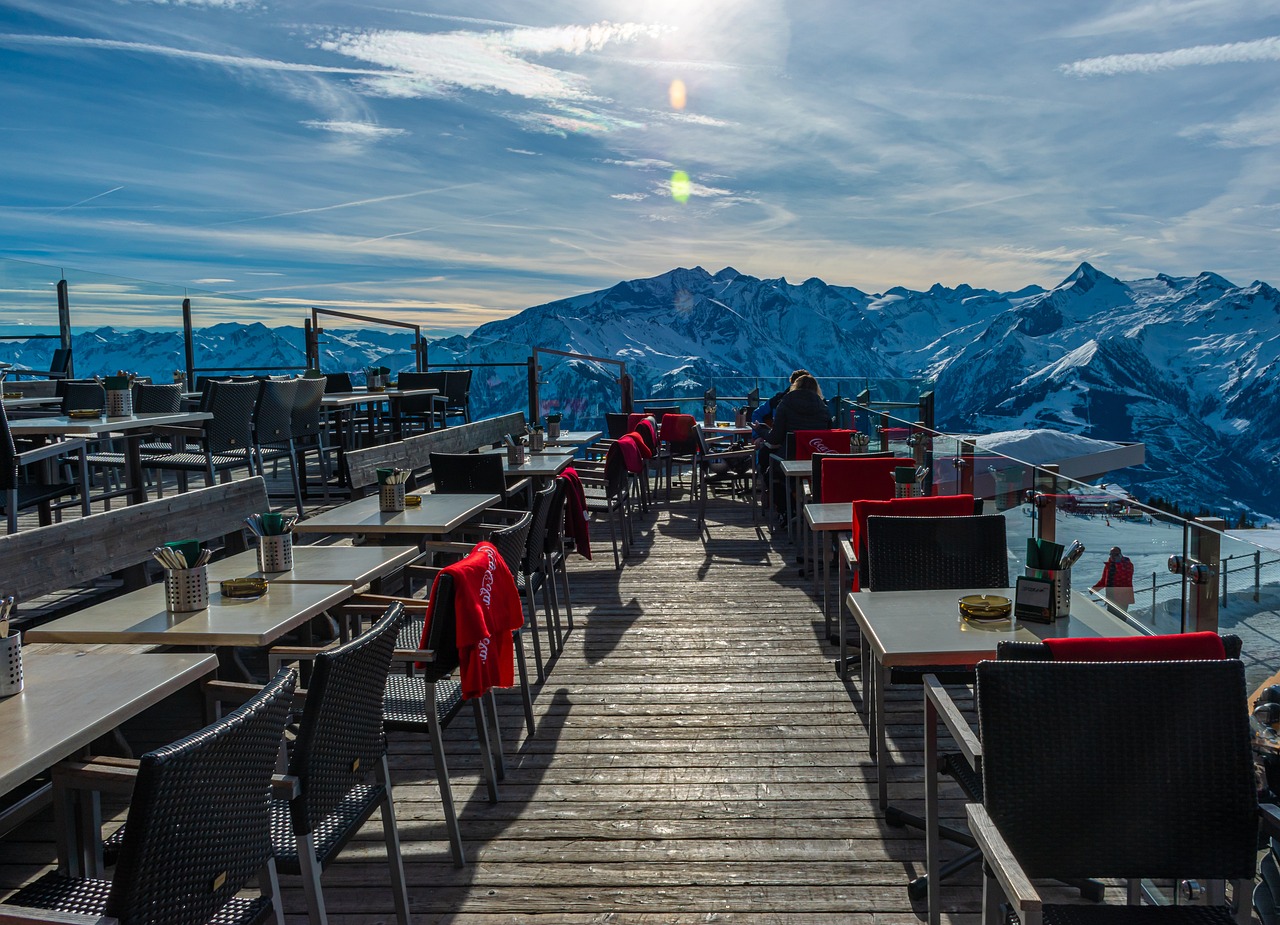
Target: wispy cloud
359, 130
1267, 49
12, 39
352, 204
113, 189
1255, 129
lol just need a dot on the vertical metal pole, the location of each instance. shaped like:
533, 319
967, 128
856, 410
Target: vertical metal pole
421, 351
965, 473
64, 322
1257, 575
534, 402
309, 344
1222, 595
188, 344
628, 392
1206, 548
926, 408
884, 432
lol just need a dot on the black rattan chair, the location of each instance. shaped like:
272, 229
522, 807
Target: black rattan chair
1148, 775
273, 430
198, 829
427, 698
226, 440
339, 759
80, 395
20, 489
512, 543
607, 494
429, 410
933, 553
469, 473
724, 469
457, 392
310, 433
616, 423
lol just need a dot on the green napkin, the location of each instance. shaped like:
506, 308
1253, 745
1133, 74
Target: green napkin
188, 549
272, 523
116, 383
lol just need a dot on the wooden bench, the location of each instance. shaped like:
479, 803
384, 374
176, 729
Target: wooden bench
74, 553
414, 453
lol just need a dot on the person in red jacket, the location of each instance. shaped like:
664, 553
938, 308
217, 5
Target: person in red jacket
1117, 579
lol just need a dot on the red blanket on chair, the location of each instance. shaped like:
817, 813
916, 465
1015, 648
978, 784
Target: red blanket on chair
577, 522
934, 506
488, 610
809, 442
1173, 647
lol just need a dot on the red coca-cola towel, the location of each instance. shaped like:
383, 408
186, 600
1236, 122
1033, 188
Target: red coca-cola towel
577, 522
846, 478
931, 506
809, 442
633, 452
1173, 647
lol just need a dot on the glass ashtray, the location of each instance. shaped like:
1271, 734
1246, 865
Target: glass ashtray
243, 588
84, 413
985, 607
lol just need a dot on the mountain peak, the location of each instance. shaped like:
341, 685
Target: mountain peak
726, 275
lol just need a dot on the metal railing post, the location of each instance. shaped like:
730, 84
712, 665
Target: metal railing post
534, 401
188, 345
1046, 502
64, 324
1257, 575
628, 388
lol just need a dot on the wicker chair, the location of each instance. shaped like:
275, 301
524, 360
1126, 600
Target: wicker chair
425, 697
273, 430
470, 473
1148, 775
310, 432
198, 829
607, 493
457, 393
965, 765
428, 409
226, 440
339, 759
18, 493
717, 468
80, 395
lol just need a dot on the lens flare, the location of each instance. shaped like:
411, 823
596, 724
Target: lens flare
681, 186
677, 93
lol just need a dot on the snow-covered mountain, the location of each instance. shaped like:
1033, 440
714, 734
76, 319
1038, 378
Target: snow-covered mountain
1187, 365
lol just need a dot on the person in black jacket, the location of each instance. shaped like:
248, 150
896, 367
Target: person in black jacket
802, 408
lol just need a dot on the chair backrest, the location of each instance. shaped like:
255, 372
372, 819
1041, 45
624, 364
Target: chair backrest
553, 536
231, 404
60, 363
337, 382
157, 398
1126, 648
199, 829
934, 553
467, 473
417, 404
340, 739
273, 411
8, 455
925, 506
617, 423
542, 503
810, 442
849, 478
80, 394
676, 431
436, 380
308, 414
457, 388
658, 412
440, 632
512, 542
1120, 769
615, 472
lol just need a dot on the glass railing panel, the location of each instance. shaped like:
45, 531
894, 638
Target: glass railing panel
499, 372
580, 389
1249, 599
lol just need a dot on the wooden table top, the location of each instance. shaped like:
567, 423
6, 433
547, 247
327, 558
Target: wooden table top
353, 565
575, 437
438, 514
535, 464
925, 627
70, 699
140, 617
62, 424
33, 402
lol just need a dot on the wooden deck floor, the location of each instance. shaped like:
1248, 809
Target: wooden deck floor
696, 760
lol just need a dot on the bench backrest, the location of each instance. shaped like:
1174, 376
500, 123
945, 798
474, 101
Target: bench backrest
414, 453
63, 555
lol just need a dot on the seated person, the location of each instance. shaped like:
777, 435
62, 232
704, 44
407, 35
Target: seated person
802, 408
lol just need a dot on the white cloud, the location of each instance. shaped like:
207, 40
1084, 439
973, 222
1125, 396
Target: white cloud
629, 197
1267, 49
359, 130
1257, 129
524, 152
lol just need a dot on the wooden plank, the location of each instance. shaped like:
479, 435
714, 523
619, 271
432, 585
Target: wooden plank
43, 560
414, 453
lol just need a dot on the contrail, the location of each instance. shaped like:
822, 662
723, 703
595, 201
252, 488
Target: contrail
347, 205
83, 201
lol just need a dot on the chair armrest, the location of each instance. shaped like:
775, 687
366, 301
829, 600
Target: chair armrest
969, 743
1270, 814
847, 555
1013, 880
217, 693
100, 775
25, 915
413, 655
50, 451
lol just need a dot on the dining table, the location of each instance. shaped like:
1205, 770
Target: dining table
794, 472
315, 564
71, 698
132, 428
822, 523
573, 438
915, 628
436, 514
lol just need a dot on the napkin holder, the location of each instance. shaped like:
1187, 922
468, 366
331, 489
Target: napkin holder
391, 497
119, 403
10, 664
1033, 600
275, 553
186, 590
516, 454
1060, 582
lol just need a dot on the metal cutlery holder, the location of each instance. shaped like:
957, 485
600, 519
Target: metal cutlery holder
553, 430
119, 403
275, 553
1060, 582
391, 497
537, 442
515, 455
187, 589
10, 664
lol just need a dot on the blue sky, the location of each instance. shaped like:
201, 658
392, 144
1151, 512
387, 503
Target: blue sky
456, 162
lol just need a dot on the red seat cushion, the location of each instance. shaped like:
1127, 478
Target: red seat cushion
1173, 647
933, 506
